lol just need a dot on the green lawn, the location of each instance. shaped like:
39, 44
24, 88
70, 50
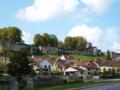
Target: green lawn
78, 56
88, 57
74, 85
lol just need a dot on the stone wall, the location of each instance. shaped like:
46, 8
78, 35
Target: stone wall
53, 50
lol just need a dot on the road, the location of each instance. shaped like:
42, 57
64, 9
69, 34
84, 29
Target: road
115, 86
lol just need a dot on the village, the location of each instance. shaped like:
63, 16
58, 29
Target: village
64, 68
60, 45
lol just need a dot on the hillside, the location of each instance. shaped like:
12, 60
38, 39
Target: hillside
77, 57
89, 57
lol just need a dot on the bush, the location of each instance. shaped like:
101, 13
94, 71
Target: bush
57, 73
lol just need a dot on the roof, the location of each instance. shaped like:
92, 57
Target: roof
73, 69
38, 59
62, 57
86, 64
109, 63
63, 63
78, 68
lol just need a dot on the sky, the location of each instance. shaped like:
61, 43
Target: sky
96, 20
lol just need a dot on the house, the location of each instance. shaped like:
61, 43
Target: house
115, 56
64, 62
76, 71
62, 65
91, 66
109, 64
43, 66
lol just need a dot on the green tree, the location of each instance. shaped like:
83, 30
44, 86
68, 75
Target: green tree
3, 67
113, 73
20, 63
81, 43
108, 56
53, 40
3, 34
11, 34
104, 74
46, 40
60, 45
14, 34
69, 43
38, 40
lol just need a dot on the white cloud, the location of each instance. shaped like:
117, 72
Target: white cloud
116, 47
98, 6
42, 10
112, 34
92, 34
102, 38
46, 9
26, 36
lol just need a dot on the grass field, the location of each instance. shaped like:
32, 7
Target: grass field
80, 57
88, 57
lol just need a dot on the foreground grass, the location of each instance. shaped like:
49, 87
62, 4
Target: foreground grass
73, 85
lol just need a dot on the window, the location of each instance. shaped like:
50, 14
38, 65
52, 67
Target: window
49, 66
45, 66
81, 77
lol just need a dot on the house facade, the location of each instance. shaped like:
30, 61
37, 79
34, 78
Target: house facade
43, 66
76, 71
109, 65
90, 68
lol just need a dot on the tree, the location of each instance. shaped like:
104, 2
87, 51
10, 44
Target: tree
69, 43
81, 43
53, 40
46, 39
38, 40
14, 34
11, 34
108, 56
104, 74
20, 63
3, 34
60, 45
113, 73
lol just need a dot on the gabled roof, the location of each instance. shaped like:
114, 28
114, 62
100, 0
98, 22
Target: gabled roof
38, 59
62, 57
73, 69
86, 64
63, 63
109, 63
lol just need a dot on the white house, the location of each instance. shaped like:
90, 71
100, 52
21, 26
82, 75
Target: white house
76, 71
43, 66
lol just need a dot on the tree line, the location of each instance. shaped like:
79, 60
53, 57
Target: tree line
14, 35
51, 40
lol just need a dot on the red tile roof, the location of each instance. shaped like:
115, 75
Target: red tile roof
109, 63
39, 59
87, 64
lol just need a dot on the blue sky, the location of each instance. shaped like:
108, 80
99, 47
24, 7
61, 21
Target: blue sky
96, 20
